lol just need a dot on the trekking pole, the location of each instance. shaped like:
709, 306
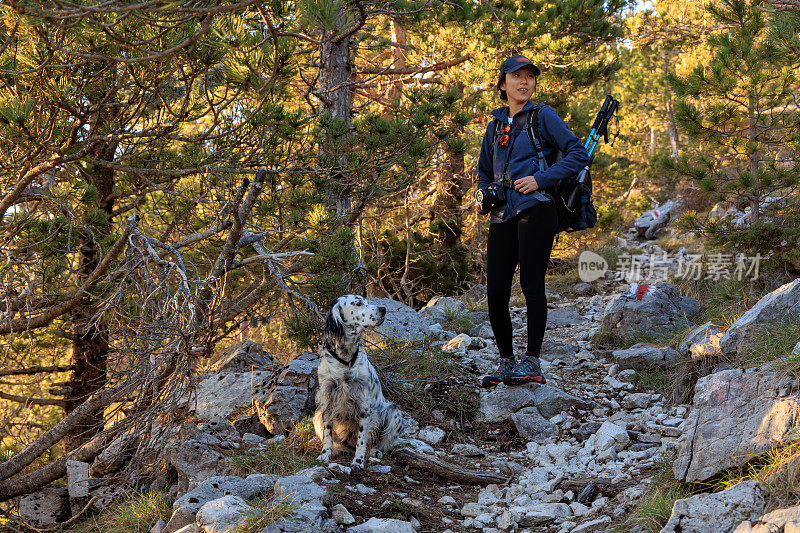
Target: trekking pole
599, 128
602, 129
598, 119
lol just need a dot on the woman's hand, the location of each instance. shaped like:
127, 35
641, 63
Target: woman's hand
526, 185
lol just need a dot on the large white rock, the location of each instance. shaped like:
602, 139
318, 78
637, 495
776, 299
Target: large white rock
223, 515
383, 525
779, 521
702, 341
780, 304
401, 322
610, 436
720, 512
660, 312
642, 356
216, 487
290, 397
458, 344
499, 404
736, 414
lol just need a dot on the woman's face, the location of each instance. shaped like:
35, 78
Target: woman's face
519, 86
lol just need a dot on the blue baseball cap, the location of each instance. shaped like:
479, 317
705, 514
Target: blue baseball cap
514, 63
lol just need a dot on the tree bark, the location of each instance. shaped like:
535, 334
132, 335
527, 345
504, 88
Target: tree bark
395, 89
90, 348
753, 156
336, 96
672, 127
450, 195
445, 469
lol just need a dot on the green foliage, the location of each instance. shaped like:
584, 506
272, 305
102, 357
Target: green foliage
433, 267
457, 320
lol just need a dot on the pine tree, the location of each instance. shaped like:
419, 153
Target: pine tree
737, 109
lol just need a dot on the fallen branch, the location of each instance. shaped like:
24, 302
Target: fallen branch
446, 470
587, 488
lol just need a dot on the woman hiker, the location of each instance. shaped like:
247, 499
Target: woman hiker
523, 227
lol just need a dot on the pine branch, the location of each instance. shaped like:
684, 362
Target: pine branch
36, 370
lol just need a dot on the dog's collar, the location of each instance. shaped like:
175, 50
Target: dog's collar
333, 354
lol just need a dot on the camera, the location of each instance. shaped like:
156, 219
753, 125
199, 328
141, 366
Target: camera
490, 197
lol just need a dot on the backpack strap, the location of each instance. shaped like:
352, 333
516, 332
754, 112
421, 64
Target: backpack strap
532, 129
498, 127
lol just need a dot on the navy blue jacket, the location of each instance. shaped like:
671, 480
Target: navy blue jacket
523, 161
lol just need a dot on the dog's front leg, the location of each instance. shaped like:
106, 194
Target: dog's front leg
323, 426
366, 425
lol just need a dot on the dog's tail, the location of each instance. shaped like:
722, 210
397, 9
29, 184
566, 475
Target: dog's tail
430, 463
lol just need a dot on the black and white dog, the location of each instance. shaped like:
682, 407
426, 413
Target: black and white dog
351, 410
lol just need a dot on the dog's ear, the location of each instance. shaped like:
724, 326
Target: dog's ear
334, 328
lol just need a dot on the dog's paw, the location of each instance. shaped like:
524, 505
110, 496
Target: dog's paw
324, 457
357, 465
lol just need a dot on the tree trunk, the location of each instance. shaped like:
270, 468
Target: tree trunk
672, 127
653, 140
336, 96
450, 194
753, 156
395, 89
90, 346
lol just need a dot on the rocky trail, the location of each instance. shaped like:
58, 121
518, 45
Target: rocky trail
577, 453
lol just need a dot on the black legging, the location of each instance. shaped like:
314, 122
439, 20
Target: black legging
526, 239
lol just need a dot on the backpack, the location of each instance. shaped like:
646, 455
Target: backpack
573, 196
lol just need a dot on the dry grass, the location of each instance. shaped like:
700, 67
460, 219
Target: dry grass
420, 378
655, 507
285, 458
265, 510
135, 515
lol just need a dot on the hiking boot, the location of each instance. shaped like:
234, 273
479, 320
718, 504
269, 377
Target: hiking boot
526, 371
501, 374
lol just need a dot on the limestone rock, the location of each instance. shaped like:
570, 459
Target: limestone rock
45, 507
291, 396
218, 486
663, 311
778, 305
299, 489
458, 345
341, 515
382, 525
641, 356
560, 318
483, 330
223, 393
779, 521
220, 428
701, 341
552, 349
720, 512
737, 414
532, 426
499, 404
309, 501
436, 309
223, 515
610, 435
401, 322
196, 462
77, 479
245, 356
431, 434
